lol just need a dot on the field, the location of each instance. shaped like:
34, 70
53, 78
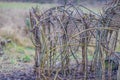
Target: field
13, 21
20, 53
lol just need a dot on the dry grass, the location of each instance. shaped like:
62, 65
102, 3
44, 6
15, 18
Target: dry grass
13, 25
12, 21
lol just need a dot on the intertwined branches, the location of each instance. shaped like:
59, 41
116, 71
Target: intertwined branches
64, 34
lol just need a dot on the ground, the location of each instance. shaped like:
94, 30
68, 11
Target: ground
27, 73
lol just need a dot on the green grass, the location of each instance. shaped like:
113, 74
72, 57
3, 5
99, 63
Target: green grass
13, 48
16, 5
20, 5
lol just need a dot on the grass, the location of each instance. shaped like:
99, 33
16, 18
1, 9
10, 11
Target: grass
20, 5
15, 50
13, 15
16, 5
16, 57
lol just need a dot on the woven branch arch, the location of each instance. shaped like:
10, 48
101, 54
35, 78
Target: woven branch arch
63, 37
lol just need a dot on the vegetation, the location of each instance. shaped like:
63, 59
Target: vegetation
67, 31
70, 41
20, 5
54, 1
